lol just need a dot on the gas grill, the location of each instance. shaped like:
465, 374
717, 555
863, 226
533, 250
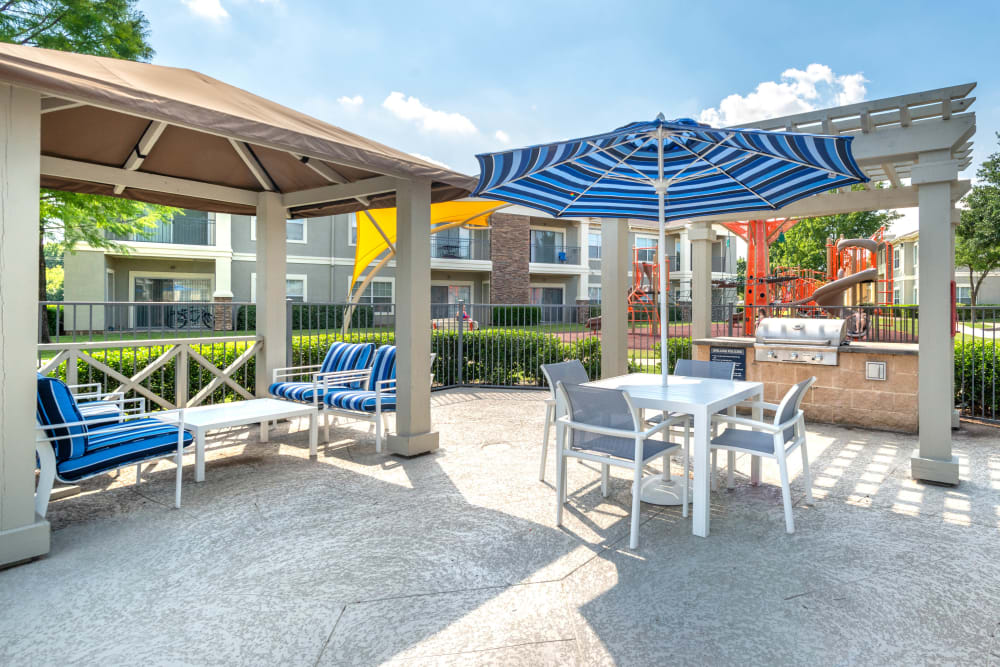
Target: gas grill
799, 340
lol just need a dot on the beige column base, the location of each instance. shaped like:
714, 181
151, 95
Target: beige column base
935, 470
413, 445
25, 543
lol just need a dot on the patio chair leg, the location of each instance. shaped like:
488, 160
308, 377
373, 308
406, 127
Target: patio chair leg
731, 470
806, 475
378, 434
605, 469
560, 473
549, 412
633, 542
138, 473
687, 455
46, 477
715, 469
180, 469
326, 427
786, 494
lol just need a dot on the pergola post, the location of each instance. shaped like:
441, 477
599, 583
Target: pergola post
23, 534
271, 261
933, 176
615, 252
701, 236
413, 321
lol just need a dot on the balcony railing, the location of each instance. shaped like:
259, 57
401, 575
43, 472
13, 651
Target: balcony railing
180, 231
451, 248
555, 254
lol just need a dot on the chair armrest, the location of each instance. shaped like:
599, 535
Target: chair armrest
769, 407
662, 426
343, 377
85, 390
383, 385
602, 430
293, 371
742, 421
42, 436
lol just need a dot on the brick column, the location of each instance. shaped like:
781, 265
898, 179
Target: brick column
509, 241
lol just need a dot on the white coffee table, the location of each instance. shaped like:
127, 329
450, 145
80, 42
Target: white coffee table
205, 418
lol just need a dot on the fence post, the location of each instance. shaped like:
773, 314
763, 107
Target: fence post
460, 379
288, 332
181, 377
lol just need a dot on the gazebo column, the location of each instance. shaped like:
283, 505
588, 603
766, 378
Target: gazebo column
615, 265
701, 236
23, 534
933, 176
271, 261
413, 321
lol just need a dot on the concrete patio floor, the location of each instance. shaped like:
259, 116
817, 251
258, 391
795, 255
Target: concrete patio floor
453, 558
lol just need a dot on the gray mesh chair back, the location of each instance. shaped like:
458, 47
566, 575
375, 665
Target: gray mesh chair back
600, 407
716, 370
790, 405
567, 372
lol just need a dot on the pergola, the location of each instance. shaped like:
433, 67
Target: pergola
914, 146
172, 136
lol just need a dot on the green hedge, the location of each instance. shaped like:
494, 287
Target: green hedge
677, 348
982, 312
975, 377
311, 317
504, 316
50, 316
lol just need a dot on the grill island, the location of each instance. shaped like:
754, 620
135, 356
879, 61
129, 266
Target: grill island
800, 340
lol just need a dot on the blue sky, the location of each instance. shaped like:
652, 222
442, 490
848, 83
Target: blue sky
448, 80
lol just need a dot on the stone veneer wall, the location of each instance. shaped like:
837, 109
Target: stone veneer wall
509, 239
841, 394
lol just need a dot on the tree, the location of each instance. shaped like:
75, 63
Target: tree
805, 243
977, 239
112, 28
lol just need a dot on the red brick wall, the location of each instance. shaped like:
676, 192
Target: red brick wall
509, 238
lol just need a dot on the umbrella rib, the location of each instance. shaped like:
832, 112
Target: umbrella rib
724, 171
715, 145
600, 178
783, 159
643, 178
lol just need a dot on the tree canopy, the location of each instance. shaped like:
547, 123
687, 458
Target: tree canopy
977, 239
114, 28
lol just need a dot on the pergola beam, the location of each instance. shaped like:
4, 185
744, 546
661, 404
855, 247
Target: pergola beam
96, 173
142, 149
327, 172
332, 193
249, 158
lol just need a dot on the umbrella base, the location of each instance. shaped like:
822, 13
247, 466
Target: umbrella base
657, 491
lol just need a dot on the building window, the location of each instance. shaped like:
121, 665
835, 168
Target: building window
352, 234
594, 245
916, 254
895, 258
295, 287
895, 296
594, 293
963, 295
378, 294
295, 230
645, 249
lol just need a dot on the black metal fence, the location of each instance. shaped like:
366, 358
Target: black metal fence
976, 332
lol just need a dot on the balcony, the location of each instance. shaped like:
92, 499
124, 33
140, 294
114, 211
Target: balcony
555, 254
723, 265
182, 230
456, 248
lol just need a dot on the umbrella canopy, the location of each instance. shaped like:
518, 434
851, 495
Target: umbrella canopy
668, 170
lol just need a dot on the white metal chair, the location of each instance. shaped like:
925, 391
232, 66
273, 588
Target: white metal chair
774, 439
570, 372
605, 427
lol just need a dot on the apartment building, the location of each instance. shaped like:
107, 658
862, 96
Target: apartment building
906, 282
521, 258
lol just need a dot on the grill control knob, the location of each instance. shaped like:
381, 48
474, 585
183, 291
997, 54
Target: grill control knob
794, 355
818, 357
771, 354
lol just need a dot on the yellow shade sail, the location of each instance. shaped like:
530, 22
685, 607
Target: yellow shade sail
371, 243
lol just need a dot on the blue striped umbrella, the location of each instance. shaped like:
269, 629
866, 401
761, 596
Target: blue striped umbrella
668, 170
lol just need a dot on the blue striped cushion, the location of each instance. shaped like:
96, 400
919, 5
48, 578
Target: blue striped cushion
99, 410
298, 391
361, 401
56, 405
348, 357
116, 445
384, 366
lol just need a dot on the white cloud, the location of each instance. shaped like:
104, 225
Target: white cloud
502, 137
207, 9
430, 120
426, 158
814, 87
351, 102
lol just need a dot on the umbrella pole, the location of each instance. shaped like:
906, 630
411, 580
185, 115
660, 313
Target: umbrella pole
661, 254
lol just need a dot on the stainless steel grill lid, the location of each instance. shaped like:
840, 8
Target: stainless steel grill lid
801, 331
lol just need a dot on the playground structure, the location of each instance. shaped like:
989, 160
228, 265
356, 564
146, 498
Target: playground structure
643, 297
851, 263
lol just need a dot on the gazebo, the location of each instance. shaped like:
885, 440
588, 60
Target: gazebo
174, 136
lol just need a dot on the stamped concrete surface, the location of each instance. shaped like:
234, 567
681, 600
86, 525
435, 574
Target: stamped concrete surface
454, 558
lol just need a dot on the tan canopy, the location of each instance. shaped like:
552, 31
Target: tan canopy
178, 123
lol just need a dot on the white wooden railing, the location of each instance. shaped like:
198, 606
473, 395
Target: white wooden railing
183, 350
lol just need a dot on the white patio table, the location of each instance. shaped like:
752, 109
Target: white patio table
206, 418
698, 397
